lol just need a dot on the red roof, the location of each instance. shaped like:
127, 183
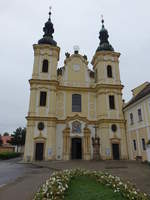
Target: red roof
5, 139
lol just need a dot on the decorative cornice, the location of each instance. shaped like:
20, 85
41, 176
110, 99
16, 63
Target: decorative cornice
104, 53
75, 117
44, 82
76, 56
70, 88
50, 48
109, 86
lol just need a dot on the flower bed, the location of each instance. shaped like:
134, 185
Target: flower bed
56, 186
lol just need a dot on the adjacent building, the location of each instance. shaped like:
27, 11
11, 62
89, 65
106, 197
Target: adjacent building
137, 115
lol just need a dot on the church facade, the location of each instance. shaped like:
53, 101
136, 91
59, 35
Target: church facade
75, 112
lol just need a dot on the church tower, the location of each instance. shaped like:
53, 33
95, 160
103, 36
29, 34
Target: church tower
110, 119
41, 119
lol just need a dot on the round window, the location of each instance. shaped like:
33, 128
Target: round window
40, 126
114, 127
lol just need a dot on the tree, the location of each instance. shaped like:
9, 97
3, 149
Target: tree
6, 134
1, 142
18, 138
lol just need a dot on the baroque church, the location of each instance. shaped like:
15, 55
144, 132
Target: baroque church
75, 112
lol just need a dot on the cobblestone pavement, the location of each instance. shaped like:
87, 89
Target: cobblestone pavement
135, 172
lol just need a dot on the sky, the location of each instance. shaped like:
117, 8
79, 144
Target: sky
76, 23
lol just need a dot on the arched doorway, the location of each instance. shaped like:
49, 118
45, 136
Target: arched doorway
39, 151
76, 148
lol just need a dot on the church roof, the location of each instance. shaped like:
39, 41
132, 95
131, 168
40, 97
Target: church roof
48, 33
104, 43
140, 95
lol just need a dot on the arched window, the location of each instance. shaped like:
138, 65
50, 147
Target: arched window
76, 103
45, 66
109, 71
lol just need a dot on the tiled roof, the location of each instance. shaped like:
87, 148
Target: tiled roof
140, 95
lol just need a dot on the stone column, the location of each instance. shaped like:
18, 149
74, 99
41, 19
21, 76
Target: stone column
51, 140
86, 144
66, 144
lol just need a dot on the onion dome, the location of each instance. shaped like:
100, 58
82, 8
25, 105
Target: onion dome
48, 33
104, 43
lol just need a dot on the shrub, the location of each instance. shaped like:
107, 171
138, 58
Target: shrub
8, 155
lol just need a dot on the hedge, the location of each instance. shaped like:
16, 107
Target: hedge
8, 155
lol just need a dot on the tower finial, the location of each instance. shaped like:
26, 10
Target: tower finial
102, 20
48, 32
50, 9
103, 36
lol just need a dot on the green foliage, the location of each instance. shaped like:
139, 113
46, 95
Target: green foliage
6, 134
8, 155
18, 138
87, 188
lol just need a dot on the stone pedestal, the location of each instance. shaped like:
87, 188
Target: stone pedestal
96, 148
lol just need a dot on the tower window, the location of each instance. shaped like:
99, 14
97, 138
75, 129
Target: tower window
143, 144
134, 144
43, 98
131, 119
96, 75
111, 102
45, 66
109, 71
76, 103
140, 114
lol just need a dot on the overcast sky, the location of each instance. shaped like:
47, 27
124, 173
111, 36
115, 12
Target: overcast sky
76, 23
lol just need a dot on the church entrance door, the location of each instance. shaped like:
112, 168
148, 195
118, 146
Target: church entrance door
76, 148
115, 148
39, 151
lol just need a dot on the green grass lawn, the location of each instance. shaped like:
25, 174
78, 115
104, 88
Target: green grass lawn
86, 188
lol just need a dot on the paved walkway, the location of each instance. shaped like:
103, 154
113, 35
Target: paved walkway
27, 178
135, 172
21, 181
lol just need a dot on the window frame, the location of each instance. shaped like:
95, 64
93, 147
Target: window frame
140, 118
134, 145
43, 103
143, 144
76, 106
109, 71
131, 119
45, 66
112, 103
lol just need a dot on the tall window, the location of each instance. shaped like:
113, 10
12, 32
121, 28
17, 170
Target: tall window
76, 103
140, 114
111, 102
45, 66
134, 144
43, 98
109, 71
143, 144
131, 119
